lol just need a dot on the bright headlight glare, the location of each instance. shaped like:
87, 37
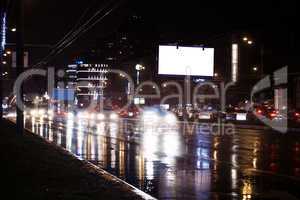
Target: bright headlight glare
33, 112
101, 116
70, 115
170, 118
81, 115
150, 116
50, 112
92, 116
113, 116
41, 112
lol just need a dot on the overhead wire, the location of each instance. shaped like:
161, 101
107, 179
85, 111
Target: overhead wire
74, 33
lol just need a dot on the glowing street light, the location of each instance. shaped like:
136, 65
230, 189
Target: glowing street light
122, 75
138, 68
8, 52
46, 96
247, 40
13, 29
255, 69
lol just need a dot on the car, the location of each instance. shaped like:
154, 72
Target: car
109, 115
178, 112
294, 115
205, 115
229, 114
131, 112
235, 114
192, 114
241, 115
158, 115
274, 114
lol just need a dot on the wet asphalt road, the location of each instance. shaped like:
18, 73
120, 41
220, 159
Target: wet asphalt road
177, 161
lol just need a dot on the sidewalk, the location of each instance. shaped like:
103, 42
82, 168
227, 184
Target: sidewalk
32, 168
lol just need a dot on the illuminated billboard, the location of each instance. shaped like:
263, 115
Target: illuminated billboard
193, 61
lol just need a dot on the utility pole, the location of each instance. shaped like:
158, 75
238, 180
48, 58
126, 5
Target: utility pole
20, 63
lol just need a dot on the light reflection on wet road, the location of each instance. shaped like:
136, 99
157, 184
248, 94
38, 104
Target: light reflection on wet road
169, 164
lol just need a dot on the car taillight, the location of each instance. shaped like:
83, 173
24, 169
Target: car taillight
259, 111
273, 114
297, 114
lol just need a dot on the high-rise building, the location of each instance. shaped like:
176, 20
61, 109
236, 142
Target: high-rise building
89, 81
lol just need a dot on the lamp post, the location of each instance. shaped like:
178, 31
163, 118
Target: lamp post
248, 41
138, 68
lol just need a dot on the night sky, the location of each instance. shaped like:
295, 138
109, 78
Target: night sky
273, 23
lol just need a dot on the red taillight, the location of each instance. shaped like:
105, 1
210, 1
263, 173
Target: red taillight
259, 111
297, 114
273, 114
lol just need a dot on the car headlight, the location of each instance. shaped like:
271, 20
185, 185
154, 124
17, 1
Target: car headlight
41, 112
50, 112
33, 113
150, 116
101, 116
91, 116
113, 116
70, 115
170, 118
83, 115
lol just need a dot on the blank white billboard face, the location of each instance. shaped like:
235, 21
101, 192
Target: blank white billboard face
194, 61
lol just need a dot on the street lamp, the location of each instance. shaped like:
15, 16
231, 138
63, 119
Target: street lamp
138, 68
246, 39
250, 42
13, 29
122, 75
